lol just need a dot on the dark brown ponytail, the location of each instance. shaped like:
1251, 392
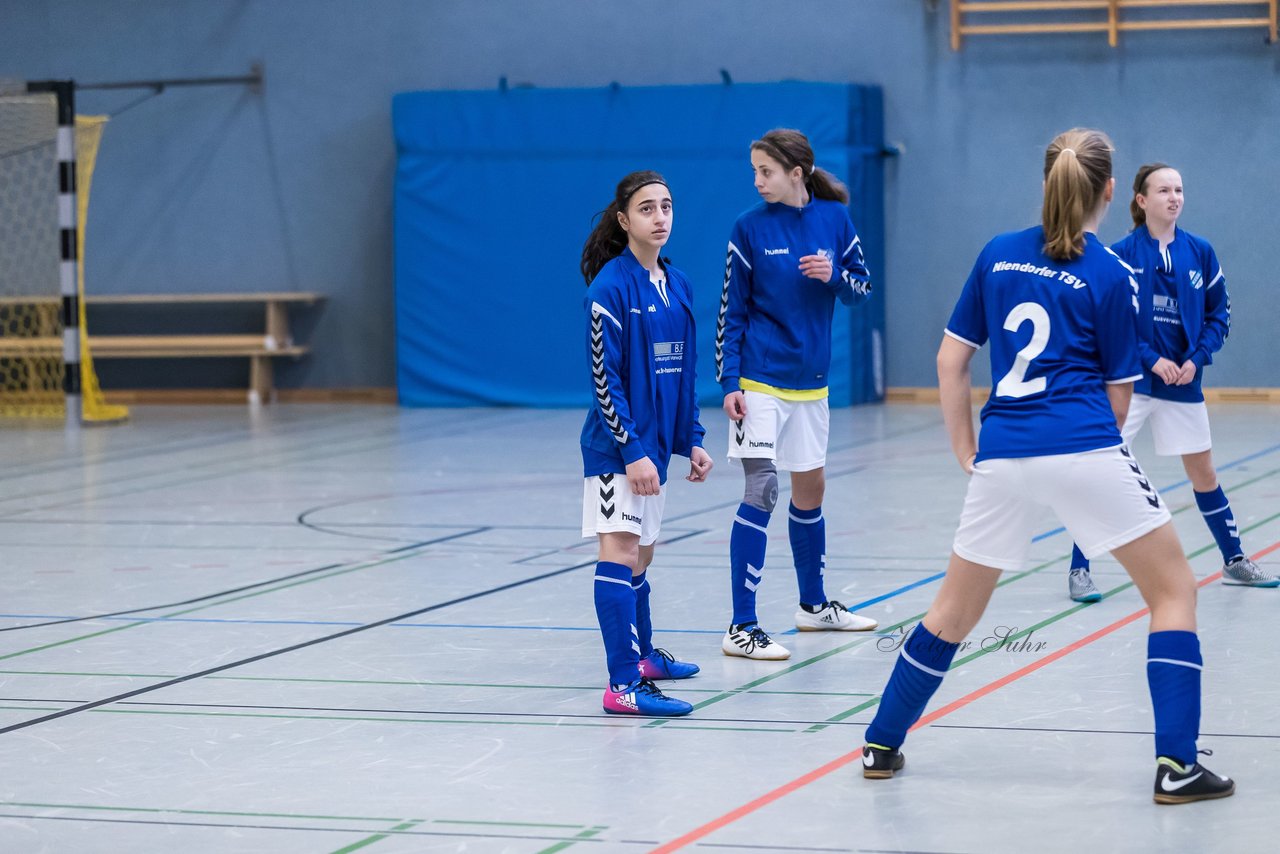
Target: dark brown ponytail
791, 148
607, 239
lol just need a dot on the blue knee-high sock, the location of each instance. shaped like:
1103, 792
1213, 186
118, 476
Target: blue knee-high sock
1173, 672
1216, 511
644, 623
808, 532
921, 664
1078, 560
747, 542
616, 611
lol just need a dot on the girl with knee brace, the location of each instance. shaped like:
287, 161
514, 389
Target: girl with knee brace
790, 259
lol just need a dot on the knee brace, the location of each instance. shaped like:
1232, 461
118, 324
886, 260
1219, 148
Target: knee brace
762, 484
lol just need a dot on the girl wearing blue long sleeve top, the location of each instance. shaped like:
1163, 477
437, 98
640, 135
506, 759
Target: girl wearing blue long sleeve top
641, 343
790, 259
1184, 315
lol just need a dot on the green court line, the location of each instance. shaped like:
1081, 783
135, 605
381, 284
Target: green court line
1028, 631
406, 682
219, 603
378, 837
307, 816
394, 720
586, 834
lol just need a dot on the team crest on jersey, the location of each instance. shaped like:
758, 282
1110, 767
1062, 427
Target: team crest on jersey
1197, 280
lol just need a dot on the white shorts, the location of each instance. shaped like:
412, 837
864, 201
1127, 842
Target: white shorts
1177, 428
793, 433
609, 506
1101, 497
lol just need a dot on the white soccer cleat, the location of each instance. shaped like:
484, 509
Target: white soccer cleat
751, 641
833, 617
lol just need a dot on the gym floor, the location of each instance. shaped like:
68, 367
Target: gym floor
329, 629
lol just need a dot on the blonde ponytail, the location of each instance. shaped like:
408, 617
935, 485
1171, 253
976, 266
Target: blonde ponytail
1077, 166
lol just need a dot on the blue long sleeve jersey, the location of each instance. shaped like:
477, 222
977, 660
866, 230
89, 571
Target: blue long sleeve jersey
774, 325
1184, 311
643, 352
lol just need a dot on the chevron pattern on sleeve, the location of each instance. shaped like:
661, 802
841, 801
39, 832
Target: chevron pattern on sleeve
603, 399
724, 310
859, 287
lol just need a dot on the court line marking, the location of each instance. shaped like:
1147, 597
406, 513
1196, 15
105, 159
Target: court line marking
853, 756
385, 715
234, 590
409, 683
1061, 730
245, 826
250, 462
273, 653
1027, 632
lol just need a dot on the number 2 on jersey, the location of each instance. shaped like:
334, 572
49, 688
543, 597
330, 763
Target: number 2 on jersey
1012, 384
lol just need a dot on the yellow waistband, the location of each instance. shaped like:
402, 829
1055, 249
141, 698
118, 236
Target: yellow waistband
784, 393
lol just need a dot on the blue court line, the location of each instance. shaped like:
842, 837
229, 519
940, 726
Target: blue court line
350, 623
860, 605
1179, 484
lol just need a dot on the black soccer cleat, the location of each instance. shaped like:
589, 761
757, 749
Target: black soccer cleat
1180, 784
880, 763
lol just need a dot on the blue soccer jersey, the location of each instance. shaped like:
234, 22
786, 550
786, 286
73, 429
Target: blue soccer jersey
1059, 332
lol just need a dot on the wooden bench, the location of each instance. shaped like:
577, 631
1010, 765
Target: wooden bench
274, 342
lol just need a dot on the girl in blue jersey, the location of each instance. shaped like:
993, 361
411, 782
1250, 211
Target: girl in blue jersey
1184, 317
1060, 312
641, 342
790, 259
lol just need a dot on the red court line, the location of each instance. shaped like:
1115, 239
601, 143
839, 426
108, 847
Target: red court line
841, 761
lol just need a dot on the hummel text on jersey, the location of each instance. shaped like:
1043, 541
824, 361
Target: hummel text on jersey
786, 250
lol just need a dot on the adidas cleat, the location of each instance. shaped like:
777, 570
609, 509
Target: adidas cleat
1182, 784
832, 617
1243, 572
661, 664
747, 640
643, 698
881, 763
1080, 586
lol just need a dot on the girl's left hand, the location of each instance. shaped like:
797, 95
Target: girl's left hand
699, 465
817, 267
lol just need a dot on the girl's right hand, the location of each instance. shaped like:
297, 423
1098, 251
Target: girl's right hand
735, 405
1167, 370
642, 477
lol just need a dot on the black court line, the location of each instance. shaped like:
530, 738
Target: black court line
84, 707
251, 461
363, 831
601, 716
1202, 736
220, 593
336, 635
